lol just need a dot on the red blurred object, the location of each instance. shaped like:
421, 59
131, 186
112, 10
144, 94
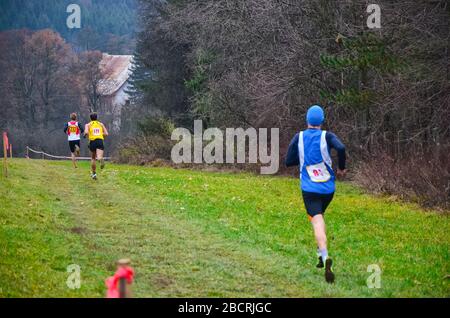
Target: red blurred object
5, 140
113, 282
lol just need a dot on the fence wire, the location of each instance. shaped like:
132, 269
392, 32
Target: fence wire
45, 155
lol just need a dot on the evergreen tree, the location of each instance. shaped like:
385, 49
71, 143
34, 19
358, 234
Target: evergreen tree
116, 18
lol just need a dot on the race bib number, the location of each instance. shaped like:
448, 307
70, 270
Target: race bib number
318, 172
73, 129
96, 131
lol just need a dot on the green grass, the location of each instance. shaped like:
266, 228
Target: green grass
203, 234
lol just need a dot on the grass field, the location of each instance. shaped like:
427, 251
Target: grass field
204, 234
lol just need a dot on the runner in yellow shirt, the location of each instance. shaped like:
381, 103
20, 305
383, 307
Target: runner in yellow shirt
97, 133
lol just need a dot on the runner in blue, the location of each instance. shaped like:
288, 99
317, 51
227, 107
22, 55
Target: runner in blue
310, 150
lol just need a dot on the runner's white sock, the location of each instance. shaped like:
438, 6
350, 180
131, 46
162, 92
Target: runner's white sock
324, 254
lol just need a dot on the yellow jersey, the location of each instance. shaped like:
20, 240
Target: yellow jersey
95, 130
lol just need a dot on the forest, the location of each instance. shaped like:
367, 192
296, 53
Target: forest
43, 79
49, 70
106, 25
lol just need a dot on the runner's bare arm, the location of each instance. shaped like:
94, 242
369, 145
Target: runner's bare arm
86, 130
81, 128
105, 131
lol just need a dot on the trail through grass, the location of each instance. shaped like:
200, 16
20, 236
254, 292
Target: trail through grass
204, 234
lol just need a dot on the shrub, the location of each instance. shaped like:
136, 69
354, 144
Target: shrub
424, 179
151, 142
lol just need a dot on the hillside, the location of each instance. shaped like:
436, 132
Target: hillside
192, 233
106, 25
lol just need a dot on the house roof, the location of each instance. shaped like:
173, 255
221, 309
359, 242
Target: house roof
116, 70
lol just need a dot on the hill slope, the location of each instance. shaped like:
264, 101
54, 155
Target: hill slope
103, 22
192, 233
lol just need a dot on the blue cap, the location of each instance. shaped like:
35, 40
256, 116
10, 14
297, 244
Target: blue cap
315, 116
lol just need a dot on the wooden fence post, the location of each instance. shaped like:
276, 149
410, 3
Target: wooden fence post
5, 156
124, 287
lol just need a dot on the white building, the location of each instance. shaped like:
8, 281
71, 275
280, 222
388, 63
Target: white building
116, 71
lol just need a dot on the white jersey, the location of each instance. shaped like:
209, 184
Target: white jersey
73, 131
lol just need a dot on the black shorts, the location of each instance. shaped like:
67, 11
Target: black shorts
96, 144
72, 144
316, 203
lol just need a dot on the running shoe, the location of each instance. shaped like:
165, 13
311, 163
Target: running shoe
329, 275
320, 264
94, 176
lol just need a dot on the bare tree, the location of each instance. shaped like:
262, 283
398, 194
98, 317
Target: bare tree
90, 77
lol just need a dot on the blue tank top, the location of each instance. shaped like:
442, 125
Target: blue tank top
316, 173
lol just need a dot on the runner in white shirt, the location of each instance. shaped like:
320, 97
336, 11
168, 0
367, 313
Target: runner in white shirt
74, 129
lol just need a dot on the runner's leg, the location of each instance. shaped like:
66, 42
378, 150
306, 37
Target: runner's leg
100, 158
74, 160
318, 224
93, 163
72, 153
